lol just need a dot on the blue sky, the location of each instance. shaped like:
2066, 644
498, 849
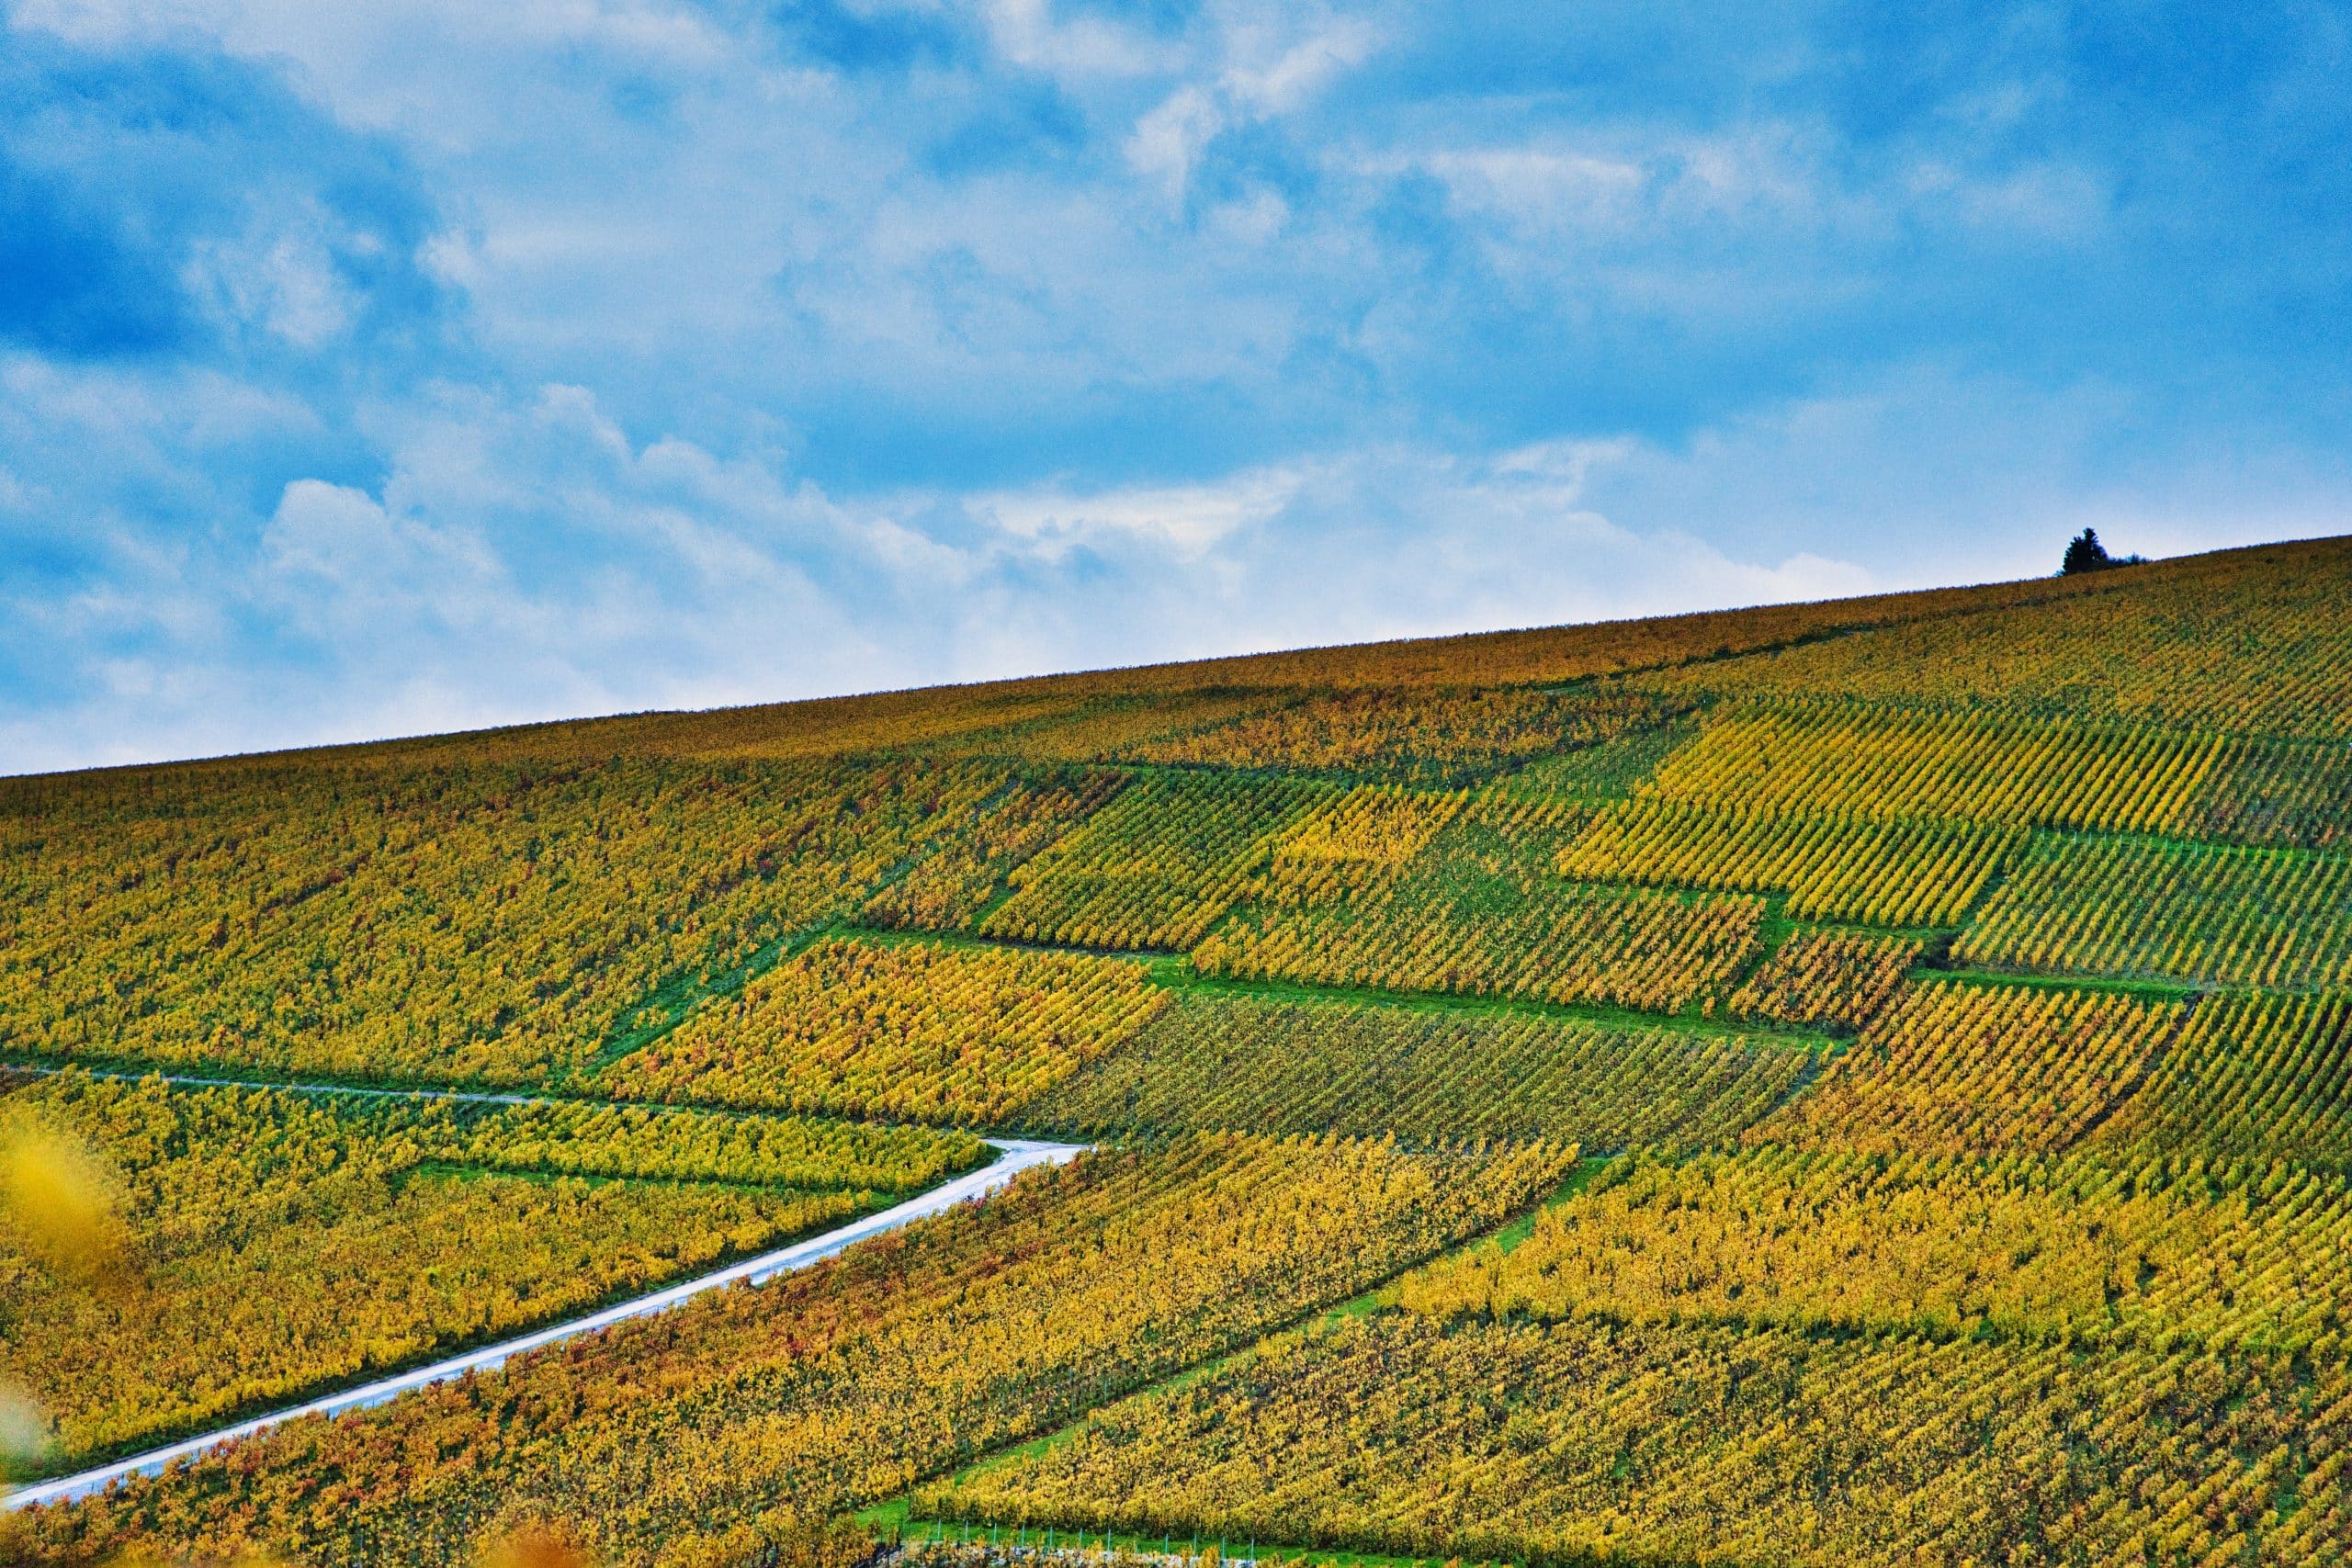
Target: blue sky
373, 368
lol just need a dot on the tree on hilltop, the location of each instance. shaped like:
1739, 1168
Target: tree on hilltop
2084, 552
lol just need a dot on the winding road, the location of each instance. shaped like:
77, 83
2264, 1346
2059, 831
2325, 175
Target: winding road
1014, 1156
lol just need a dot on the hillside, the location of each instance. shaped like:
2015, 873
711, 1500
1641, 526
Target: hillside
1863, 1082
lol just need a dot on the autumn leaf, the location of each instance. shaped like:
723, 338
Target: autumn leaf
535, 1546
55, 1193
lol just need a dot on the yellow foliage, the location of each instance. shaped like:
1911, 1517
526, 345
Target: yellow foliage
1842, 868
290, 1241
841, 1385
1838, 978
535, 1546
1883, 763
61, 1204
900, 1029
468, 922
1539, 939
1956, 1069
1429, 1077
2075, 1251
1420, 734
1589, 1441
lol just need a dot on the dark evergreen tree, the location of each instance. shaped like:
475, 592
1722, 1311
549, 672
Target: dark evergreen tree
2084, 552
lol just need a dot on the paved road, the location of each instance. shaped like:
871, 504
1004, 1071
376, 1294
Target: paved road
1014, 1156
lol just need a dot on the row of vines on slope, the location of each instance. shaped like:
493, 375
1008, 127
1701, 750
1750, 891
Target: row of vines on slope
2271, 918
1568, 1443
1842, 979
1479, 911
280, 1242
1958, 1069
685, 1437
1863, 869
469, 923
943, 1033
1888, 763
1429, 1077
2159, 1252
1156, 867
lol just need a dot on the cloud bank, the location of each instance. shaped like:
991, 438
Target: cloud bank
370, 369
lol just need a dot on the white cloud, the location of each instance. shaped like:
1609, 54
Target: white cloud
1265, 71
1169, 140
1188, 521
1541, 187
281, 279
1271, 72
1026, 33
419, 68
335, 555
525, 558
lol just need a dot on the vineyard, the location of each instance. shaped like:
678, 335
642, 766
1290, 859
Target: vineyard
1155, 868
1431, 737
2274, 919
280, 1242
675, 1436
1867, 1082
1479, 911
1981, 1069
933, 1033
1427, 1077
1879, 763
1574, 1443
1841, 979
2079, 1251
1833, 868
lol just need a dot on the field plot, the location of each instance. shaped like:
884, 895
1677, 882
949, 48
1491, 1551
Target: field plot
2273, 917
1376, 825
1575, 1443
494, 924
1838, 979
1430, 737
639, 1142
1858, 868
1891, 763
2072, 1252
281, 1242
1429, 1077
1108, 725
1957, 1069
937, 1034
1156, 867
696, 1436
2257, 1079
2293, 792
946, 890
1480, 912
